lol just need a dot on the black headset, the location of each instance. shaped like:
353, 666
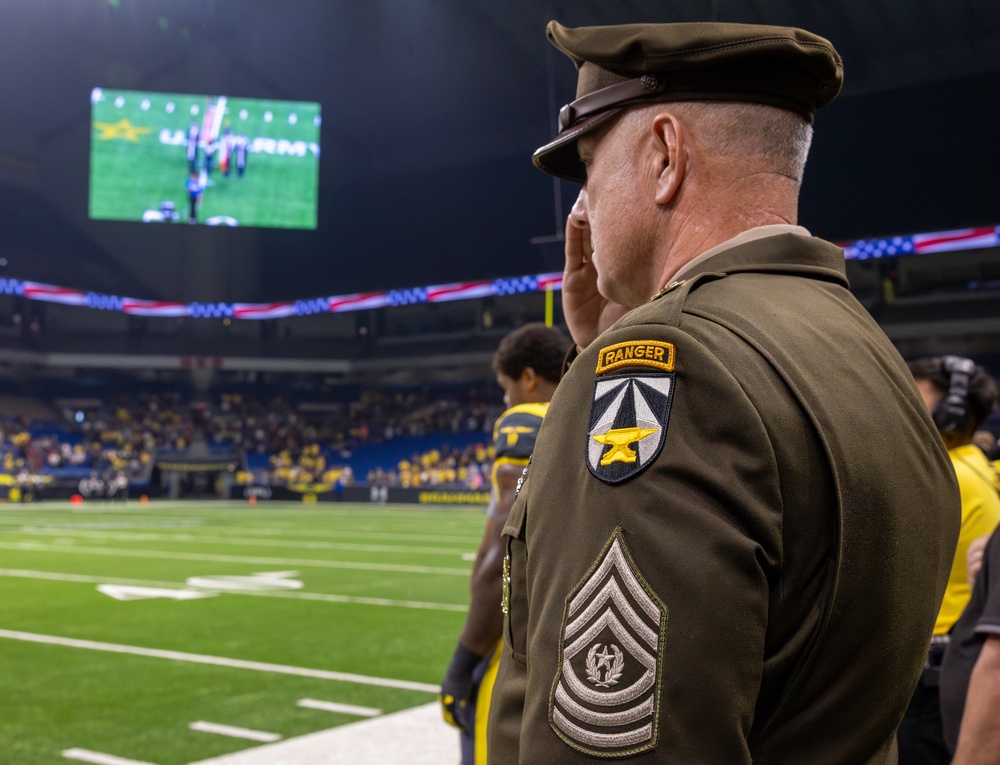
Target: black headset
951, 415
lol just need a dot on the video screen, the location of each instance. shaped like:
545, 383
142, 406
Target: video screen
209, 160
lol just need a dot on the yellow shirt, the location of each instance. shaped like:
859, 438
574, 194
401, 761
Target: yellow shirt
980, 516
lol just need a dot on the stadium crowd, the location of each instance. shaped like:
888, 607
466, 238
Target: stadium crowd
279, 442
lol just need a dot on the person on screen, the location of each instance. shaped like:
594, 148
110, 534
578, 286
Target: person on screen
241, 149
192, 145
194, 190
226, 151
210, 146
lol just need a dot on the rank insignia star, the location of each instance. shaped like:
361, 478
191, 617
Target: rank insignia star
121, 129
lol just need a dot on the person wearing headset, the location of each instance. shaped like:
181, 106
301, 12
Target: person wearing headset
959, 395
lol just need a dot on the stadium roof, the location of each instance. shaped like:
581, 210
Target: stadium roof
431, 110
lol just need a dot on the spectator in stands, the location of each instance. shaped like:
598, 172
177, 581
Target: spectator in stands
25, 485
528, 364
959, 395
119, 486
126, 431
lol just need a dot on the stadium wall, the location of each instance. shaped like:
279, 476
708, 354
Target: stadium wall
362, 494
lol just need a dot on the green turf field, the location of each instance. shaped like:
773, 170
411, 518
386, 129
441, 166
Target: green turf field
138, 159
383, 595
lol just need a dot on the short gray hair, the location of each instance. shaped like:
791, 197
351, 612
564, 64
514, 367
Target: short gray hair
762, 138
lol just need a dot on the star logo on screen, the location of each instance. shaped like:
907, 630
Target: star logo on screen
121, 129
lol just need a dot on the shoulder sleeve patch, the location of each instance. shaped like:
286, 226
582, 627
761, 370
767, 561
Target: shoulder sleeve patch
637, 353
515, 435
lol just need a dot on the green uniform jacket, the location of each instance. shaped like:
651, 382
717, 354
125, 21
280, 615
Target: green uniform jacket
734, 534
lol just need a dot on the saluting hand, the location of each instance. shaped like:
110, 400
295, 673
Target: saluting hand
588, 313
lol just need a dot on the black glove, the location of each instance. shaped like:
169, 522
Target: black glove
456, 688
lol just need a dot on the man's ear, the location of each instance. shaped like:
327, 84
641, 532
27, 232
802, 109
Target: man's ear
671, 156
529, 378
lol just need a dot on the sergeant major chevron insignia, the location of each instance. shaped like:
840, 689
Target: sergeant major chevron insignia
605, 697
629, 412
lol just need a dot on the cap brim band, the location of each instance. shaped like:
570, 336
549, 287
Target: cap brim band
560, 158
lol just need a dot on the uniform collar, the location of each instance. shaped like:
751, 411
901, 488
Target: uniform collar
750, 235
773, 248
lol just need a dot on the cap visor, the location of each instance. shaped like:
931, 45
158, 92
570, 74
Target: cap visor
560, 158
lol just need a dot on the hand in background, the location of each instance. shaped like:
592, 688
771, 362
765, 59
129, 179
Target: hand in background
974, 558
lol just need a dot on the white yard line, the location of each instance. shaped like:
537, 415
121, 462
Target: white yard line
471, 537
103, 526
369, 601
412, 737
82, 578
317, 596
256, 560
98, 758
362, 509
218, 661
453, 552
234, 732
385, 535
336, 706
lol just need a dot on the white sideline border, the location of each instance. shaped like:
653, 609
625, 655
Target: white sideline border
416, 736
124, 552
297, 595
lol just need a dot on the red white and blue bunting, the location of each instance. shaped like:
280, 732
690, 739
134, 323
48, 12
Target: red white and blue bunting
939, 242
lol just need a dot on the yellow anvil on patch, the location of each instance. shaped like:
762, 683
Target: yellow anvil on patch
619, 439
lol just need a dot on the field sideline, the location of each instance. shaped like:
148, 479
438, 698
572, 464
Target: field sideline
176, 633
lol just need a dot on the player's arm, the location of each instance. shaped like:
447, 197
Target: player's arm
979, 737
484, 623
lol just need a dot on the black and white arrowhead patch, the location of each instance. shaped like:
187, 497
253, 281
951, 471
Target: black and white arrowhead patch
628, 424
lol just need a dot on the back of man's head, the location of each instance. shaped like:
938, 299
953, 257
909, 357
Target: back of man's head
968, 394
534, 345
747, 139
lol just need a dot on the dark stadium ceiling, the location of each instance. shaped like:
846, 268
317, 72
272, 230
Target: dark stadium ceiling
431, 109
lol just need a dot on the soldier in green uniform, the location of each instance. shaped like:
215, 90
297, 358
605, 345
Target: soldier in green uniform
735, 533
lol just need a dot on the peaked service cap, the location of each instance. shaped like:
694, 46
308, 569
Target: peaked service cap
704, 61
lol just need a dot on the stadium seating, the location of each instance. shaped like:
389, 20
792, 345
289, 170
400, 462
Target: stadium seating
406, 439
